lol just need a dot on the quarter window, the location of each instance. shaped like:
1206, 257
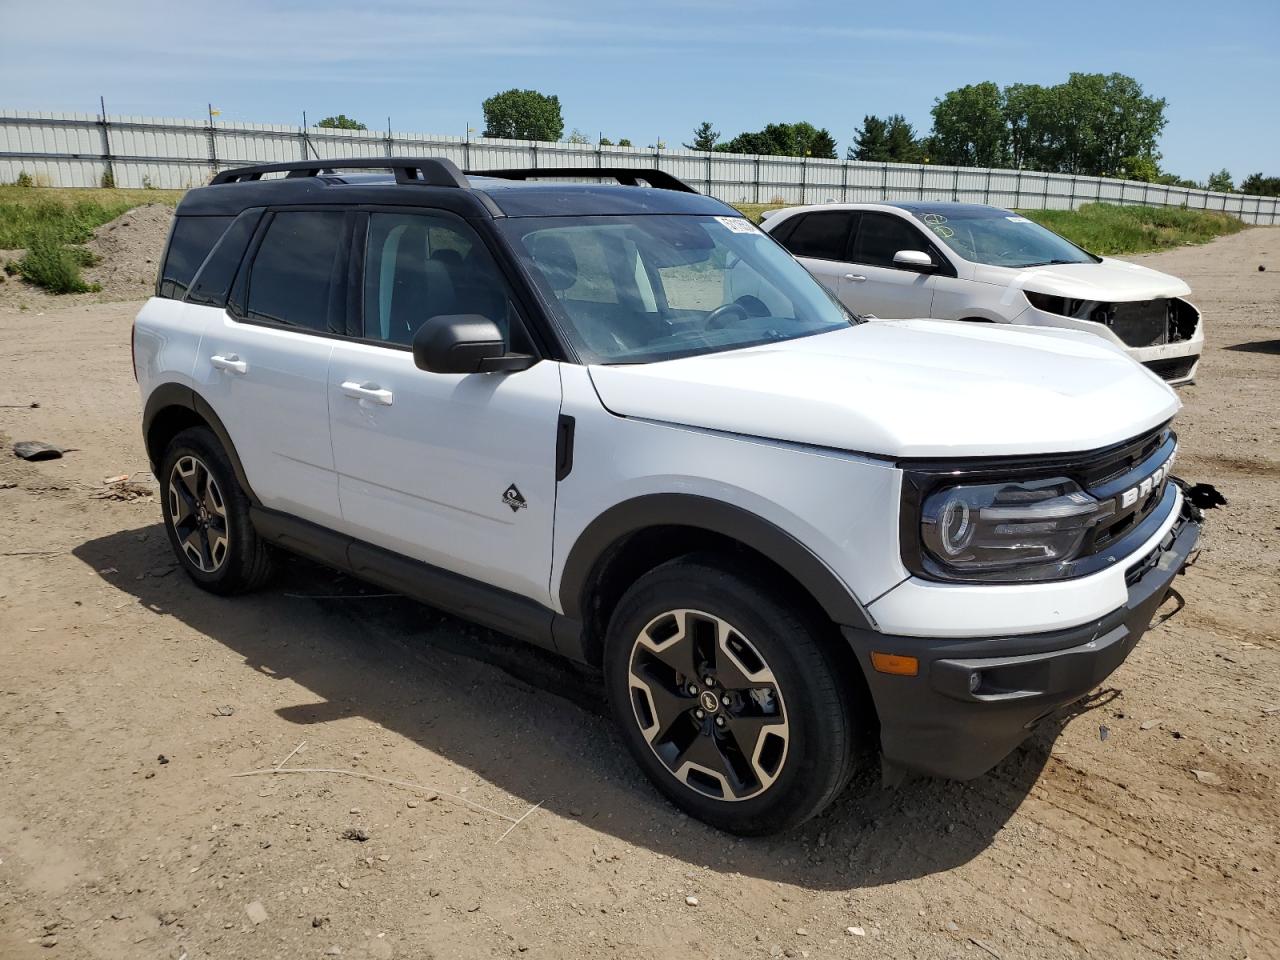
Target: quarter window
823, 235
881, 235
419, 266
190, 242
293, 272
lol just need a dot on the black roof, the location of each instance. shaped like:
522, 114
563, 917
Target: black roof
442, 185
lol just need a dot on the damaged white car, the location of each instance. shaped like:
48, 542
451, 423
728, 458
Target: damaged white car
965, 261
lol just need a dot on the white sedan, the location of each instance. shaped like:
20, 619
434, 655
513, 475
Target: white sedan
967, 261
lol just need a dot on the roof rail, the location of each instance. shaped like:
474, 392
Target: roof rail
624, 175
429, 171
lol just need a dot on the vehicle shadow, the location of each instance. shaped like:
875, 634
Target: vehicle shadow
1256, 346
536, 726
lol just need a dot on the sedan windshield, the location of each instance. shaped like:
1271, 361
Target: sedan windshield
1000, 238
636, 289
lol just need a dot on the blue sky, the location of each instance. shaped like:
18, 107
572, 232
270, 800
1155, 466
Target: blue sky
647, 70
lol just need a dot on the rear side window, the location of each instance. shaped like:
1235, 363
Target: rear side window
881, 235
823, 235
213, 282
189, 243
294, 271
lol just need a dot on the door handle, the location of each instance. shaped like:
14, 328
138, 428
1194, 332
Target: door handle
367, 391
231, 364
855, 277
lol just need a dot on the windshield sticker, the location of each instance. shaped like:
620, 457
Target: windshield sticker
944, 232
736, 224
933, 219
1017, 219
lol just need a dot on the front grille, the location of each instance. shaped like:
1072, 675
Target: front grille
1135, 462
1138, 323
1174, 369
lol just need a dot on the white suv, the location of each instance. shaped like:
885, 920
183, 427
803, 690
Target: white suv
786, 536
966, 261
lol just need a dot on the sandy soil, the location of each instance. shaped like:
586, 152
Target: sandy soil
129, 699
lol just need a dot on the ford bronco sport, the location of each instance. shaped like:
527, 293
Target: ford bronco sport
619, 421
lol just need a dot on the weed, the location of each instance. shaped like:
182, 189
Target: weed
51, 264
24, 180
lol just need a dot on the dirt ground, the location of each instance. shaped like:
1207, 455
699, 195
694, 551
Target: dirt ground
129, 700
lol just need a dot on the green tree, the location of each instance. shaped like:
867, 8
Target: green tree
969, 128
870, 141
903, 145
1139, 168
341, 122
704, 138
1261, 186
1092, 123
606, 142
784, 140
577, 136
1220, 181
624, 142
523, 115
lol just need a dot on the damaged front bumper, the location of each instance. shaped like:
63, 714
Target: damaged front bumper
973, 701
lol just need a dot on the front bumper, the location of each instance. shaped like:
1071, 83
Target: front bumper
943, 722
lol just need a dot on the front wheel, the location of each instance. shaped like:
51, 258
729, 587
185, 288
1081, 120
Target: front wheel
729, 697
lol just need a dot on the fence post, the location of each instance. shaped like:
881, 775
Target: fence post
533, 146
1017, 190
804, 178
844, 182
110, 172
921, 183
390, 148
757, 176
709, 173
884, 181
955, 185
986, 190
213, 144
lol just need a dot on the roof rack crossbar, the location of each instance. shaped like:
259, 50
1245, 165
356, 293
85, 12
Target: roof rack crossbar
429, 171
628, 176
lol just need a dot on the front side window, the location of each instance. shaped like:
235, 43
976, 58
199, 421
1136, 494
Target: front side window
294, 271
823, 235
881, 236
1001, 239
419, 266
636, 289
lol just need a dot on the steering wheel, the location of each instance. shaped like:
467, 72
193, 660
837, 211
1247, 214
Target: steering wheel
720, 316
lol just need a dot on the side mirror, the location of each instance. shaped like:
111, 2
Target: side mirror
915, 260
464, 343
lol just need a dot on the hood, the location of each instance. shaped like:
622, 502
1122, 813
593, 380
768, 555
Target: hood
1109, 281
906, 388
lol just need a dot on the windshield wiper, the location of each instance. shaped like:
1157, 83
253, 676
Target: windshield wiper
1051, 263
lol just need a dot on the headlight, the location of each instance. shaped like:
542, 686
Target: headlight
1063, 306
1031, 527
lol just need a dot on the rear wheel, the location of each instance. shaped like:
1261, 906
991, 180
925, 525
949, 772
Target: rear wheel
206, 516
728, 697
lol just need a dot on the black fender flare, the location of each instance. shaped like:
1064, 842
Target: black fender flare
715, 516
170, 395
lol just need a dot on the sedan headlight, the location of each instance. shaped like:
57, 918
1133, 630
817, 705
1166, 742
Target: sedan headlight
1027, 528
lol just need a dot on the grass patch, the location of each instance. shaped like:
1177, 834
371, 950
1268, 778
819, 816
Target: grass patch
50, 223
1104, 228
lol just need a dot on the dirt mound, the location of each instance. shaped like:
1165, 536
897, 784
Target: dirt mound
128, 249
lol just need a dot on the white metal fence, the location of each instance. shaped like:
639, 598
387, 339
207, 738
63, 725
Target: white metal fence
79, 150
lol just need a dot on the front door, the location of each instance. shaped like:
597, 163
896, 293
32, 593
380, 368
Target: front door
871, 285
457, 471
820, 241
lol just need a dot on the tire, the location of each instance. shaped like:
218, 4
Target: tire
785, 749
206, 516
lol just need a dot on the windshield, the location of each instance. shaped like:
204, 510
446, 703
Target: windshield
635, 289
1001, 238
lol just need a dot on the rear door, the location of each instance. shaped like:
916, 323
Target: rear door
458, 471
872, 285
820, 241
263, 362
